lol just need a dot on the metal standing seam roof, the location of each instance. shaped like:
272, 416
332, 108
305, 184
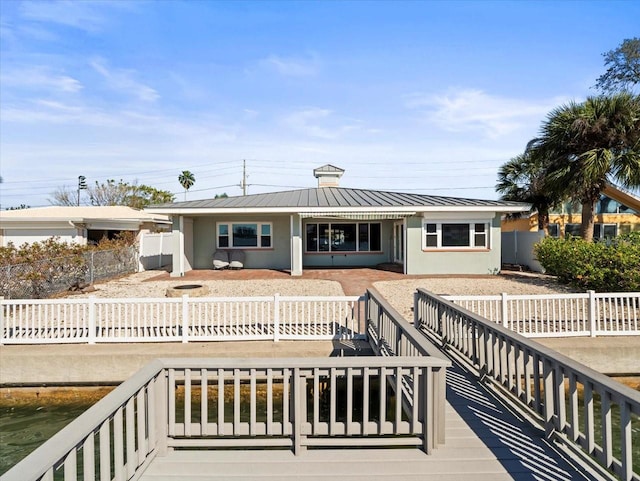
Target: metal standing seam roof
336, 197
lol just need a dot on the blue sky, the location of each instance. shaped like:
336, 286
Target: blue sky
423, 97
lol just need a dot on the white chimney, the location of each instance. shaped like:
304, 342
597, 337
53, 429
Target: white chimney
328, 175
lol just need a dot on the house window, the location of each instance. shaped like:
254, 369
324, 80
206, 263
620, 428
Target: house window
480, 235
254, 235
600, 231
554, 230
463, 235
431, 233
572, 230
604, 231
343, 237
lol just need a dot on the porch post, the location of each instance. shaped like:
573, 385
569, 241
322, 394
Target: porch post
296, 245
178, 247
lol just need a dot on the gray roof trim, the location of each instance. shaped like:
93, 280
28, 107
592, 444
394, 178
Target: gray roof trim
328, 168
326, 199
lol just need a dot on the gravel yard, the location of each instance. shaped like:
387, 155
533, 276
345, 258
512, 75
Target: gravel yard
137, 285
399, 293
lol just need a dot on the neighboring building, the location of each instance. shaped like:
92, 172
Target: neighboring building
79, 225
331, 226
617, 212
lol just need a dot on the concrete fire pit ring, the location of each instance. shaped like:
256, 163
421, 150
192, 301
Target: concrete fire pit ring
191, 290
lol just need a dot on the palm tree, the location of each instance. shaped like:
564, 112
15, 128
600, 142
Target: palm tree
589, 144
521, 179
186, 179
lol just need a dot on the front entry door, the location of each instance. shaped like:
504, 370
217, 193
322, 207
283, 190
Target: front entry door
398, 242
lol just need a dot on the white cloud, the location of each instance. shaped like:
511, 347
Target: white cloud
250, 114
123, 81
40, 77
320, 123
292, 67
191, 130
475, 110
81, 15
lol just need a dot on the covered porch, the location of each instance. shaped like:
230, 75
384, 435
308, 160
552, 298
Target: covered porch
324, 238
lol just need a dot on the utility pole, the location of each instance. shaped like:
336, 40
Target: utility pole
82, 185
243, 184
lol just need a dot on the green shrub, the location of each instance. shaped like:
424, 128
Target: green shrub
41, 268
612, 266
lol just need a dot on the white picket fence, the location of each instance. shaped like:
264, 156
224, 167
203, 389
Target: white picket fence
94, 320
560, 315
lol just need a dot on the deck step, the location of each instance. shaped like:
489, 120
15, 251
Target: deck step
328, 464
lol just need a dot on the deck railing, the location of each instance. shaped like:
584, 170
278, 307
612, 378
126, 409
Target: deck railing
573, 402
207, 403
390, 334
94, 320
560, 315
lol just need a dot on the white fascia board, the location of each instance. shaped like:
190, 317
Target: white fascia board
35, 224
296, 210
466, 216
487, 209
102, 224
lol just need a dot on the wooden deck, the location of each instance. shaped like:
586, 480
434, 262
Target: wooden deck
484, 441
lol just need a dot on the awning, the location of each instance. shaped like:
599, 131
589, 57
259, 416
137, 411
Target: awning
357, 215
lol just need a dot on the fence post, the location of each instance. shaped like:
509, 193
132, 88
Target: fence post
185, 318
8, 282
276, 317
592, 313
417, 318
549, 399
504, 314
160, 249
299, 393
140, 251
91, 269
92, 320
161, 420
1, 321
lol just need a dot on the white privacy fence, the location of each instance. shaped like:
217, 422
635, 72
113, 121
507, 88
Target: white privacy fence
560, 315
155, 250
93, 320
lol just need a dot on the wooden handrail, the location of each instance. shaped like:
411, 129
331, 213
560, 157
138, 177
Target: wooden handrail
153, 392
537, 379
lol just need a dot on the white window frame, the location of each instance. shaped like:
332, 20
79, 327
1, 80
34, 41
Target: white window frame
230, 224
602, 227
472, 234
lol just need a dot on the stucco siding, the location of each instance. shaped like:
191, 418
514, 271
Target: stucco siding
627, 222
451, 261
276, 257
22, 236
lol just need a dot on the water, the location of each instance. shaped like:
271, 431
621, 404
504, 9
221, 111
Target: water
30, 416
24, 428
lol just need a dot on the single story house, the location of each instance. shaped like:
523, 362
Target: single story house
332, 226
79, 225
617, 212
